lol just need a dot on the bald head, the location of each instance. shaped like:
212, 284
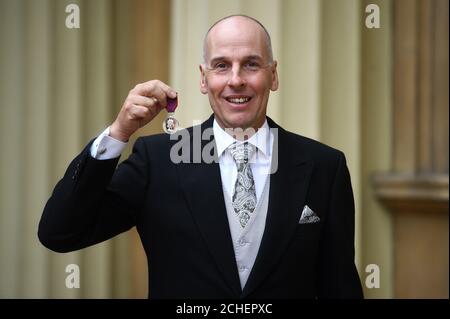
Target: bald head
235, 21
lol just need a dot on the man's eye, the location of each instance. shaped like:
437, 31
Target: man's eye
220, 66
252, 65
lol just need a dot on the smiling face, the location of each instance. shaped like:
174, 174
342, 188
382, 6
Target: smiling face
238, 73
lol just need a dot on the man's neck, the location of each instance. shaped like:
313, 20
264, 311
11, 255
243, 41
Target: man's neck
240, 134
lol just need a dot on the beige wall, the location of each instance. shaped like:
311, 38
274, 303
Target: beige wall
57, 88
340, 90
376, 144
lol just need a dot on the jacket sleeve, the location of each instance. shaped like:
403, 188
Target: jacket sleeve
338, 276
93, 201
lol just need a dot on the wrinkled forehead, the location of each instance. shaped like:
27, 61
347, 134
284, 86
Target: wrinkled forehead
235, 36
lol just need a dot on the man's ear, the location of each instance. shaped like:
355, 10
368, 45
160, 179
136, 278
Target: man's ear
203, 83
274, 85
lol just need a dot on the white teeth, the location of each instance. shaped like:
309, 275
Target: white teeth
239, 100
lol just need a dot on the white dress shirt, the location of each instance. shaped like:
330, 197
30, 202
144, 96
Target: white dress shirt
259, 163
106, 147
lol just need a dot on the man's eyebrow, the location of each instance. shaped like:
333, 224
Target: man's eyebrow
253, 57
246, 58
219, 58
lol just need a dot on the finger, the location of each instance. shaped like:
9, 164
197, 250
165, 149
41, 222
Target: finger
143, 100
139, 112
143, 114
154, 109
170, 92
160, 95
149, 88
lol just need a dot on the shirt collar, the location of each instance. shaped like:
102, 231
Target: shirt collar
261, 139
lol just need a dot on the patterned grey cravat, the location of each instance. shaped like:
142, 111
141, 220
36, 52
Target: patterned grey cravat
244, 196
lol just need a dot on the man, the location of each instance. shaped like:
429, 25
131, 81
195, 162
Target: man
272, 216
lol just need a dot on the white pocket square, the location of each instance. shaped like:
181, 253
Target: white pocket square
308, 216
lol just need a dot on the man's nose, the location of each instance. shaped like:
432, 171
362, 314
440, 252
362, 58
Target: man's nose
236, 79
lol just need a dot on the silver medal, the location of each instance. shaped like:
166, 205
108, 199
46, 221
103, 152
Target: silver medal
170, 124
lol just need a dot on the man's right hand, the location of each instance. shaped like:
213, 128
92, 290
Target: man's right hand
142, 104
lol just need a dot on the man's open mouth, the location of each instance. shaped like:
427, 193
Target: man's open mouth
238, 99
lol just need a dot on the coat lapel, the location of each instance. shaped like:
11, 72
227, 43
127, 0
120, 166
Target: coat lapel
202, 186
288, 188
